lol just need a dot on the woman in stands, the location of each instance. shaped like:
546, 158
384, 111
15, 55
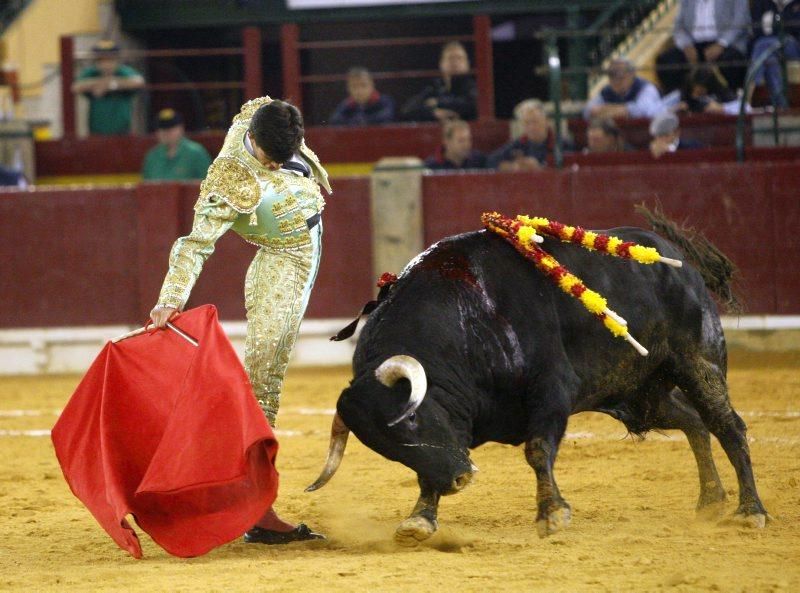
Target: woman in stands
265, 186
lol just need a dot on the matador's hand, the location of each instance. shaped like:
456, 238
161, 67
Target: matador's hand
161, 314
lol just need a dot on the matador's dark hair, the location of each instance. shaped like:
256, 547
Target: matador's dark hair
277, 129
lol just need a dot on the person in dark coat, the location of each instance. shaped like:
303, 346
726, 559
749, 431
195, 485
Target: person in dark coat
772, 20
456, 151
364, 106
529, 151
453, 96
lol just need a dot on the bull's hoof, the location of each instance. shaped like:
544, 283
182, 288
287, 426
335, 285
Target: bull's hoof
752, 521
555, 521
414, 530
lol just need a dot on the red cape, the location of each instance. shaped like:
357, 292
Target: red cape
172, 434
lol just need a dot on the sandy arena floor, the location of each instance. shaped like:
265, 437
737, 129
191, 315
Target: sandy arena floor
634, 526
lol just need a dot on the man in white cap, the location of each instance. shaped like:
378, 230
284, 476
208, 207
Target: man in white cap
666, 132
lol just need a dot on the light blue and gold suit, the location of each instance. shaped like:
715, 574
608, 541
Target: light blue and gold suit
272, 210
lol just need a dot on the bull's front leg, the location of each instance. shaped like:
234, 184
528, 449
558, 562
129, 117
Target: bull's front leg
422, 523
553, 512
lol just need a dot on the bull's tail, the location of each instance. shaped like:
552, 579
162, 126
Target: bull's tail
716, 269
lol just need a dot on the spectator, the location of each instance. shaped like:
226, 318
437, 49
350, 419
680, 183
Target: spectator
712, 31
364, 105
625, 95
456, 152
529, 151
769, 17
453, 96
707, 92
603, 135
12, 178
666, 133
110, 87
176, 158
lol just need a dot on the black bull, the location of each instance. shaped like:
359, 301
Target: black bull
474, 344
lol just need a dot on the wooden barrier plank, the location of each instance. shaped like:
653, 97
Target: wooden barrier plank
727, 202
346, 280
68, 258
454, 203
785, 240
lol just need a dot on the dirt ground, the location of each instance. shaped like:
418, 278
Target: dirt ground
634, 527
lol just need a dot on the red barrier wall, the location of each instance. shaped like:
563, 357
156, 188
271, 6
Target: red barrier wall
124, 154
98, 256
748, 210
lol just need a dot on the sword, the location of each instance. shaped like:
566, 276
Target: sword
142, 330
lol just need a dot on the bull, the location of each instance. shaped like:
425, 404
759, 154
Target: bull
473, 344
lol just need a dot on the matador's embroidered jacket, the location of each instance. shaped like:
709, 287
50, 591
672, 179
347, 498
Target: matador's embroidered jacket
267, 208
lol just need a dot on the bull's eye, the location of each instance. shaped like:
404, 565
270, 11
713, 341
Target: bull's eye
412, 418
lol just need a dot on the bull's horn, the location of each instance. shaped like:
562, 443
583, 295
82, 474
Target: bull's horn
339, 434
404, 367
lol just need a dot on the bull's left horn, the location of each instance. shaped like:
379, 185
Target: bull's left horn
339, 434
404, 367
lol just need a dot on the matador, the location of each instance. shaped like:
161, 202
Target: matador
278, 211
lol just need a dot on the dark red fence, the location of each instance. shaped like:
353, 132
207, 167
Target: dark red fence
748, 210
98, 256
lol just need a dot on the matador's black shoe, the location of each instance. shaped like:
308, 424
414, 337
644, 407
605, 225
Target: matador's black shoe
259, 535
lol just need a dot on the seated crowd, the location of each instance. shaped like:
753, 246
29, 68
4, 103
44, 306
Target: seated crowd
702, 71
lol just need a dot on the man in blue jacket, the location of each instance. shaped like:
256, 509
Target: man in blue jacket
364, 106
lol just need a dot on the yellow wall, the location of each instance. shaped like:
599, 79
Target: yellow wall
33, 39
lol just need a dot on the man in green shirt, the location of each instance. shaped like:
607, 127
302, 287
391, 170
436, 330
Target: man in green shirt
110, 87
176, 157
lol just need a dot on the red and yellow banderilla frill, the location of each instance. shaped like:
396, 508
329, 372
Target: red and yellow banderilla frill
522, 234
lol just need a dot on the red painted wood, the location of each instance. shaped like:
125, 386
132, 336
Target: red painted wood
124, 154
729, 203
69, 258
484, 65
708, 128
67, 78
290, 56
98, 255
782, 184
158, 217
251, 43
346, 280
453, 204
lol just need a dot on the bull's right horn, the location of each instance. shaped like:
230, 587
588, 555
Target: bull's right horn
404, 367
339, 434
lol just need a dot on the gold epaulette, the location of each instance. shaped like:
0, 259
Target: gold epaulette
232, 181
248, 109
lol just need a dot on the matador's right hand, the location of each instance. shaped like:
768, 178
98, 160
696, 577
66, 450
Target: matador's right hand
161, 314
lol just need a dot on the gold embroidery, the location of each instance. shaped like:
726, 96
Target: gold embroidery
248, 109
279, 181
279, 243
212, 219
290, 225
232, 181
285, 206
276, 293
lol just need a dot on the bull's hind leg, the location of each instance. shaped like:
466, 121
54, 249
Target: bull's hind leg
553, 512
675, 412
704, 384
422, 523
